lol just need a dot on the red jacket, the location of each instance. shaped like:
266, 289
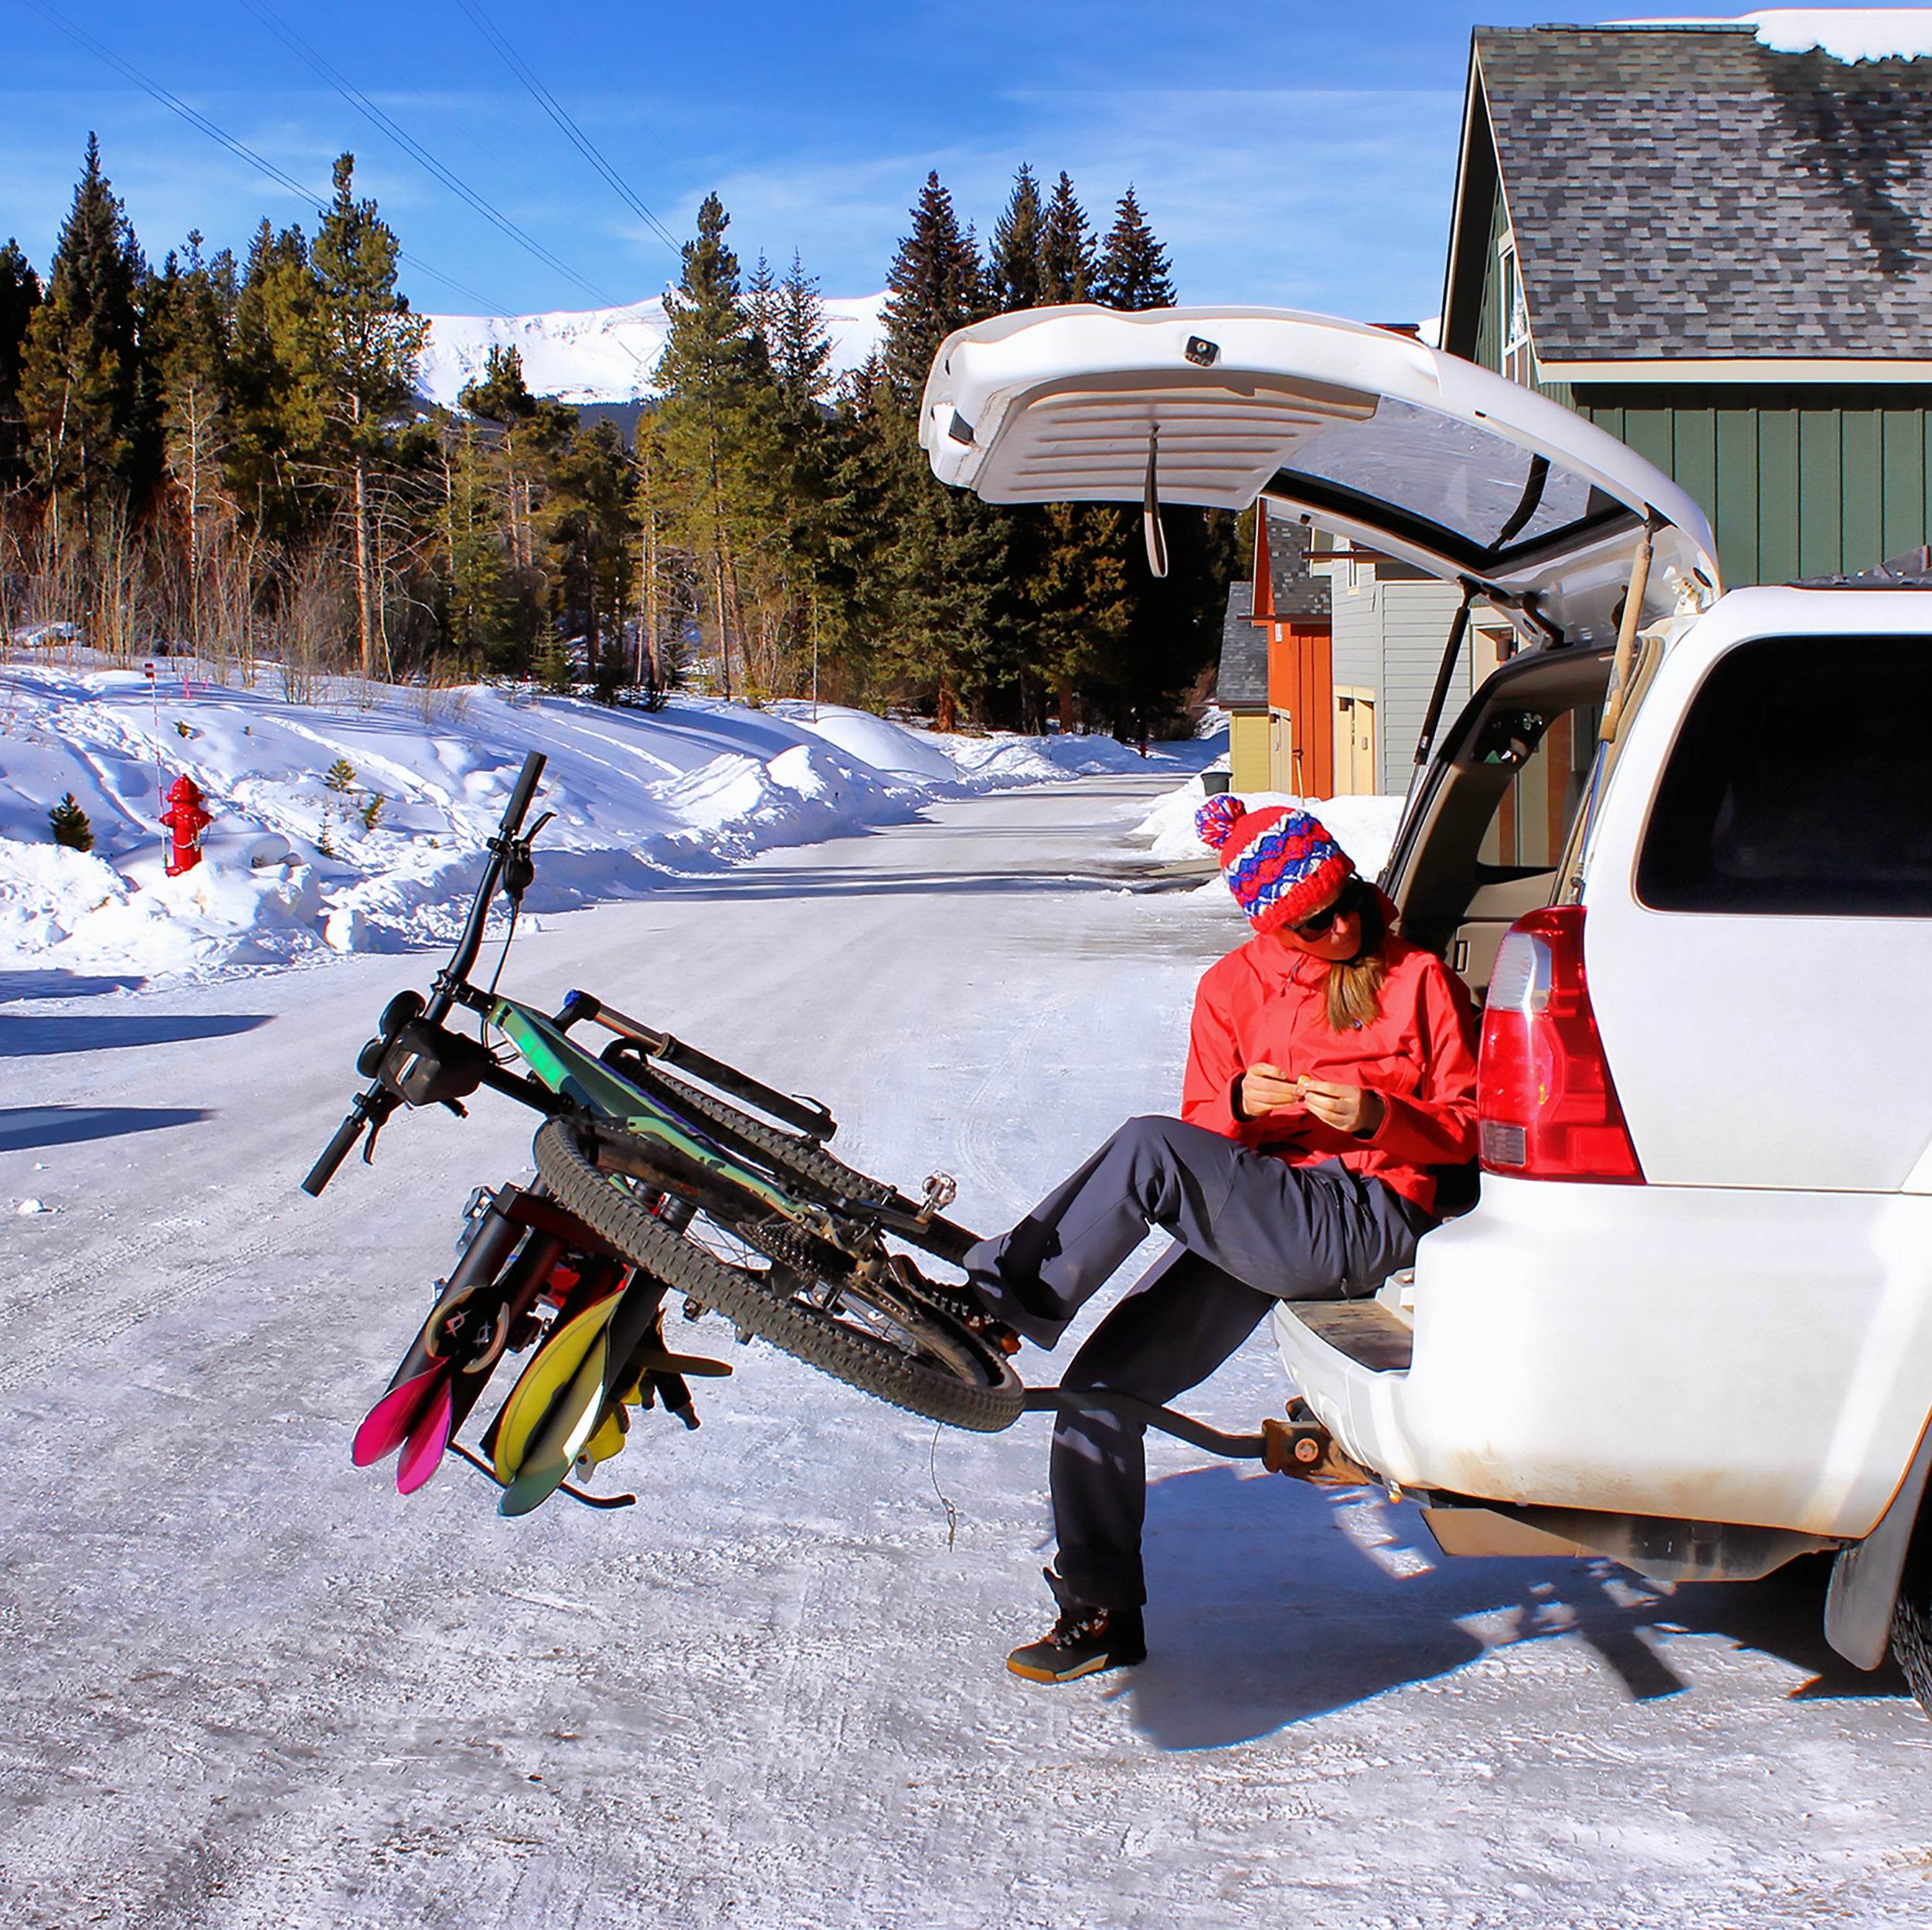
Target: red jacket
1265, 1004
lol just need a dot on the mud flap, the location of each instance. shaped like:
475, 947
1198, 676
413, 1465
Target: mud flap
1865, 1578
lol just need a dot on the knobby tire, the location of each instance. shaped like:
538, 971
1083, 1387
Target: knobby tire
859, 1358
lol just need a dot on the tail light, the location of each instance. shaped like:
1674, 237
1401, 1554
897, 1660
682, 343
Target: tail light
1545, 1102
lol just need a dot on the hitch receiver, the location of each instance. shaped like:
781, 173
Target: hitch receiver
1302, 1447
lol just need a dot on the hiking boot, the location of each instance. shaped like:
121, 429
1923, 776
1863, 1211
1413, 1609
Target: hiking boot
961, 1302
1083, 1642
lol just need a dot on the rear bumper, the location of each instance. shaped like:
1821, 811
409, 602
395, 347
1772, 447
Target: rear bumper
1708, 1354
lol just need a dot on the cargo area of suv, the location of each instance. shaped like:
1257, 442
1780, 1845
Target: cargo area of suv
1687, 1321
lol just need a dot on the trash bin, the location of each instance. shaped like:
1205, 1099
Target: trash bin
1214, 783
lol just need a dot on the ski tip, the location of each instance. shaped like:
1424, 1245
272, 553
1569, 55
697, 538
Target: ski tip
423, 1452
390, 1421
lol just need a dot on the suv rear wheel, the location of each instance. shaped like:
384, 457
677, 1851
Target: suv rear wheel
1911, 1618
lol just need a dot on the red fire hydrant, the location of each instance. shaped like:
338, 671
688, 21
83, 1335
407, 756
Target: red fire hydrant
185, 820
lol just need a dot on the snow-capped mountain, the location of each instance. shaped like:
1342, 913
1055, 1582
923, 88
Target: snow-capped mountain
600, 355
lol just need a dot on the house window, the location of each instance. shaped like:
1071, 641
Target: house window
1517, 358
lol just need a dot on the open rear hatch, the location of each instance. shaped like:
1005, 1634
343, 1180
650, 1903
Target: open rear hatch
1384, 441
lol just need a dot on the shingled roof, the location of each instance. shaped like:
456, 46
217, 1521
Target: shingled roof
1688, 191
1292, 590
1242, 678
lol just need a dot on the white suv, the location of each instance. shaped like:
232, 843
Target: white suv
1681, 844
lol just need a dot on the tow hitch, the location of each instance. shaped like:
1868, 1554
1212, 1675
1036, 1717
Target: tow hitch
1302, 1447
1299, 1445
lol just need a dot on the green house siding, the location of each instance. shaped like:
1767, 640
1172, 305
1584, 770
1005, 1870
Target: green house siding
1798, 480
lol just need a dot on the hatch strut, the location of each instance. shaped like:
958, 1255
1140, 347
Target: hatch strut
1459, 629
1616, 701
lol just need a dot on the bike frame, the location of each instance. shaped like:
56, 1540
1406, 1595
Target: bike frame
563, 1067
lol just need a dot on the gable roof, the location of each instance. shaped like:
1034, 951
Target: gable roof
1243, 678
1686, 192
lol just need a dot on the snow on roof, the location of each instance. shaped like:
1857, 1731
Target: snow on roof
1845, 33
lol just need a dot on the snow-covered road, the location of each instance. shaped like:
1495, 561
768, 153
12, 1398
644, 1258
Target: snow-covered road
247, 1685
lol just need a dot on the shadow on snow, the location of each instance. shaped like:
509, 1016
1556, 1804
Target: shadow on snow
33, 1038
1267, 1610
23, 1128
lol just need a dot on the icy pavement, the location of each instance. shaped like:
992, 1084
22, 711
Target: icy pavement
247, 1685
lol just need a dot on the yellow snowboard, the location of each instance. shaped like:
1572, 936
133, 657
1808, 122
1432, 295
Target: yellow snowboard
553, 1371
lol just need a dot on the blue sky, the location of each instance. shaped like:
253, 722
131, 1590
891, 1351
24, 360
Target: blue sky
1286, 152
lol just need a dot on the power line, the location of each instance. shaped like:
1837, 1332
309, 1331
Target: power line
386, 123
581, 141
200, 122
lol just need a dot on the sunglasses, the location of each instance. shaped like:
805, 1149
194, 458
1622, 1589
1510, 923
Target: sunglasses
1317, 922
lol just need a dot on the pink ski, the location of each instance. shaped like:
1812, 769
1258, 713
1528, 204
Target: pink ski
389, 1422
423, 1450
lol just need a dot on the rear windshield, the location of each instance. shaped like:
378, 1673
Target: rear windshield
1800, 784
1446, 477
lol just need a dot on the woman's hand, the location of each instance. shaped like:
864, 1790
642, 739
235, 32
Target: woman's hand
1348, 1108
1267, 1088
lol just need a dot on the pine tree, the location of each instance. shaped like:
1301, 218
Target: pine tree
69, 826
665, 588
1067, 247
1016, 268
19, 297
279, 396
935, 285
801, 348
79, 385
340, 777
1132, 271
718, 428
188, 322
370, 343
947, 546
761, 302
480, 620
590, 544
529, 433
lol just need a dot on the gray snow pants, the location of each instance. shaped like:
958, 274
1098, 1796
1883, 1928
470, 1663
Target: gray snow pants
1249, 1230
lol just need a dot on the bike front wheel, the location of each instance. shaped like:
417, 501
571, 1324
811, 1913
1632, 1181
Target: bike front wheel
865, 1327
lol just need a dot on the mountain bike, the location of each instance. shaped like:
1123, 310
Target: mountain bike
661, 1173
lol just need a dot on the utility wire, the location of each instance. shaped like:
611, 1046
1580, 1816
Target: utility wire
200, 122
581, 141
386, 123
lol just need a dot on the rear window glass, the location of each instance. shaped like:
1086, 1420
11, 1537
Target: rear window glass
1454, 474
1801, 783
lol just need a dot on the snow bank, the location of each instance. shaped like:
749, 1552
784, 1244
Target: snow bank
355, 822
1845, 33
1364, 827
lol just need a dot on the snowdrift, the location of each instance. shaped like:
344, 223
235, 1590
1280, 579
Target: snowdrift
355, 824
1364, 827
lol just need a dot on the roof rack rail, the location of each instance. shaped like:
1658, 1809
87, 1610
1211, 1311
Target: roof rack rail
1911, 570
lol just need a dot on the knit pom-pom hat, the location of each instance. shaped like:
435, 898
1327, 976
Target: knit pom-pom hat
1280, 865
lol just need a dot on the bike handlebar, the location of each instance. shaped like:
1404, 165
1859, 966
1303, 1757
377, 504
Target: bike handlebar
520, 797
471, 943
372, 1107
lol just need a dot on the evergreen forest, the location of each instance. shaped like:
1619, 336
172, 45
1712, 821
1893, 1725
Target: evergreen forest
232, 456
